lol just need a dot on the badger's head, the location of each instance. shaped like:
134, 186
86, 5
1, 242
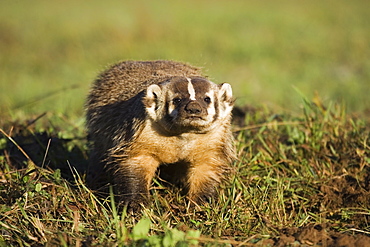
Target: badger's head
193, 105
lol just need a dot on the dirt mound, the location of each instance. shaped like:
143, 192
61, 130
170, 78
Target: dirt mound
316, 235
345, 191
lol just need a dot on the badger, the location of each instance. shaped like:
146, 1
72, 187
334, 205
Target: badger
148, 116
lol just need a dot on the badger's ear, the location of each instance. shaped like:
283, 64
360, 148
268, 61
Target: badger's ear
226, 101
153, 93
225, 93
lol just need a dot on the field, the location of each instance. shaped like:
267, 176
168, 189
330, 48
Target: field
300, 72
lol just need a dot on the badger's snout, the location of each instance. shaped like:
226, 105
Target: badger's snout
194, 108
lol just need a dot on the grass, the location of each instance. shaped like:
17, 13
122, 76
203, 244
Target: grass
303, 158
293, 171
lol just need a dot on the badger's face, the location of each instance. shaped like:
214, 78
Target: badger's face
192, 104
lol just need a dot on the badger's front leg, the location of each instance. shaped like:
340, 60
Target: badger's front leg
133, 179
204, 177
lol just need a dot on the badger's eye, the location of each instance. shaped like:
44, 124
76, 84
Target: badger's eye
207, 100
176, 101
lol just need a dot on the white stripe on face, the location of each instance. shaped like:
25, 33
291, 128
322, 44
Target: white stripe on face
191, 89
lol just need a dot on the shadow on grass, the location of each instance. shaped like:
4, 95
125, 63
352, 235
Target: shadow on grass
21, 144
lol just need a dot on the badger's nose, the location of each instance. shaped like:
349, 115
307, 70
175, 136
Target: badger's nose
193, 107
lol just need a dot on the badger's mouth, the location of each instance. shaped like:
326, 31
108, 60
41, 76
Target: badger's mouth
187, 124
194, 118
194, 121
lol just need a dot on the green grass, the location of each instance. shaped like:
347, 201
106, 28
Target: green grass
303, 69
